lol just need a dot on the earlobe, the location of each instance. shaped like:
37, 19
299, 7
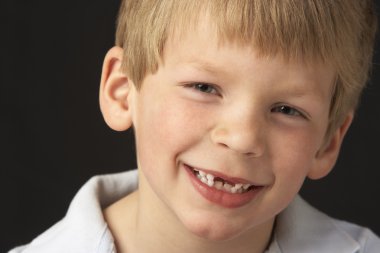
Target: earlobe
115, 92
326, 157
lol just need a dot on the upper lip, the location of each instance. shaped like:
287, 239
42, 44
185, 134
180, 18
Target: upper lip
230, 179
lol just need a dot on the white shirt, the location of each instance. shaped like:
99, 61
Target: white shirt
299, 228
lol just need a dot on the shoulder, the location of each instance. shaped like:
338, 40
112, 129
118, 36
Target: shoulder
84, 229
368, 241
302, 228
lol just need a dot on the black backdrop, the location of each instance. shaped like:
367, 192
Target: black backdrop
53, 138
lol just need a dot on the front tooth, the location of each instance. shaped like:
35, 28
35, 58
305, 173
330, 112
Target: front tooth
227, 187
210, 183
233, 190
204, 180
218, 185
237, 186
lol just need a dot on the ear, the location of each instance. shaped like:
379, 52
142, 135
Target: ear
326, 157
115, 92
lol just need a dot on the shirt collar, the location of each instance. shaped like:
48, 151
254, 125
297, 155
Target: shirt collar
84, 220
301, 228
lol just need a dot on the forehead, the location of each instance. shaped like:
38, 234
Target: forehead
202, 45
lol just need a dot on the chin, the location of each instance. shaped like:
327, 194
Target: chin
214, 231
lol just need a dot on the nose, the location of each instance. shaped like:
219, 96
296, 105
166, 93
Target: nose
241, 133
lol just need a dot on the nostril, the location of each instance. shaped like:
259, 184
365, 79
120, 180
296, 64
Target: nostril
249, 154
223, 145
246, 142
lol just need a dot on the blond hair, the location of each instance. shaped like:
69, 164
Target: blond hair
339, 32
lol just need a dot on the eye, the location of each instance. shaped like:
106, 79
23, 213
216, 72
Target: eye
287, 110
204, 88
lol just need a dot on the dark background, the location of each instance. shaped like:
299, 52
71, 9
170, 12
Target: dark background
53, 138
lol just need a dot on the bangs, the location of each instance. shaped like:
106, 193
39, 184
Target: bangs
294, 29
300, 29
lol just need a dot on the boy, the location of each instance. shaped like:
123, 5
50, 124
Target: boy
233, 105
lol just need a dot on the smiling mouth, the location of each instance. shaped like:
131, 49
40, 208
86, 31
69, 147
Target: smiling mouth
222, 184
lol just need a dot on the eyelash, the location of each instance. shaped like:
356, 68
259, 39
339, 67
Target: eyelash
288, 110
204, 88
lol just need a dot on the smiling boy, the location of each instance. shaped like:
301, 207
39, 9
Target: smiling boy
233, 104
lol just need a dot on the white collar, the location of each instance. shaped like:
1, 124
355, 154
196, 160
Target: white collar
302, 228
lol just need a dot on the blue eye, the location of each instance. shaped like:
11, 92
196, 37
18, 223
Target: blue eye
287, 110
205, 88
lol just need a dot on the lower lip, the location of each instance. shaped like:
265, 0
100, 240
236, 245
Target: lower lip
222, 198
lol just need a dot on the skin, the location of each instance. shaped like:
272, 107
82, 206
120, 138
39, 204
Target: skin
222, 108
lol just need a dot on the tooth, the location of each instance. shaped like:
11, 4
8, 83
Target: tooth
210, 177
227, 187
218, 185
246, 186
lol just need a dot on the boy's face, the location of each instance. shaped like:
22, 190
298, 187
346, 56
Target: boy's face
220, 109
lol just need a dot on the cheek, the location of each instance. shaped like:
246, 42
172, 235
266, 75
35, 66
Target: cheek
293, 157
170, 123
165, 128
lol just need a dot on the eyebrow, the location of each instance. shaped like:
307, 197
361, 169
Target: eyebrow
304, 92
296, 92
206, 66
